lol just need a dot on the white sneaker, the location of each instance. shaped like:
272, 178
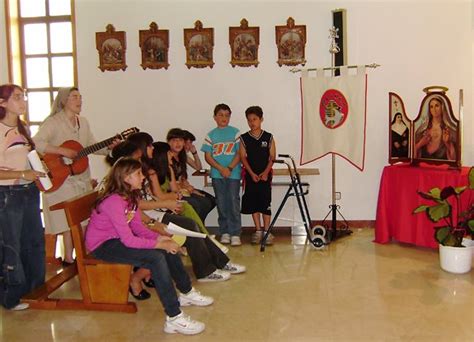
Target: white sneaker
194, 297
257, 237
183, 324
269, 240
235, 241
225, 238
234, 268
215, 276
223, 248
20, 307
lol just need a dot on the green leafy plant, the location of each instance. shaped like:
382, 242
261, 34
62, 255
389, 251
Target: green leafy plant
457, 222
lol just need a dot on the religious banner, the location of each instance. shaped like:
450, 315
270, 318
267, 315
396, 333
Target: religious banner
334, 116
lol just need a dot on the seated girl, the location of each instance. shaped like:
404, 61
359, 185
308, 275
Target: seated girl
162, 191
116, 234
192, 156
200, 200
208, 261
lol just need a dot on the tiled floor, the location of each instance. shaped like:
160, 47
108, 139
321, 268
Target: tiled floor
354, 290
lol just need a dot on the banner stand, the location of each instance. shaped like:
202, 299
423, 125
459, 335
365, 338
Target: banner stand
332, 232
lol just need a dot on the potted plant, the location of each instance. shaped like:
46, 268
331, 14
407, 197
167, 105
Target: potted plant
456, 251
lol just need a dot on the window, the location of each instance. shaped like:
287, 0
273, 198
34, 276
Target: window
42, 56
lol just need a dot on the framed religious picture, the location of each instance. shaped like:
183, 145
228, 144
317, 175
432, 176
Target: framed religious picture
244, 42
111, 45
154, 44
291, 42
400, 128
436, 131
199, 43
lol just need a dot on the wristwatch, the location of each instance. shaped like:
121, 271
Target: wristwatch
230, 168
151, 223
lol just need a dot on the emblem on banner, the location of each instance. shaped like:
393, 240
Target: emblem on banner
333, 109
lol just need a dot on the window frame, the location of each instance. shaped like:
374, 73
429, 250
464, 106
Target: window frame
16, 48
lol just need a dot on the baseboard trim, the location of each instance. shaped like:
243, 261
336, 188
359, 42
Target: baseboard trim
351, 223
356, 224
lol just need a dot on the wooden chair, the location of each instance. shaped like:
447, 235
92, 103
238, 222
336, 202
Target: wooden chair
104, 286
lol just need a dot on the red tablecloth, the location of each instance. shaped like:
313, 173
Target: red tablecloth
398, 198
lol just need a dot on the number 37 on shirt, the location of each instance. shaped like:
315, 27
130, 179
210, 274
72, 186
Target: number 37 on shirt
223, 148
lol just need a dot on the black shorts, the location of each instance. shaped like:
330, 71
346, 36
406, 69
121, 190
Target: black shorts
257, 197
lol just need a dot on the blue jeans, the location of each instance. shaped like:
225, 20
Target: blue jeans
227, 193
164, 267
22, 251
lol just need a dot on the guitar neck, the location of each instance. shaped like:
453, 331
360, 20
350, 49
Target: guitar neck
104, 143
94, 148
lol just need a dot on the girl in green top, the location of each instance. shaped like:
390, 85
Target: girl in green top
158, 172
164, 182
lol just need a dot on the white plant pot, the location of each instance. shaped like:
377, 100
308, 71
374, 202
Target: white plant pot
456, 259
469, 243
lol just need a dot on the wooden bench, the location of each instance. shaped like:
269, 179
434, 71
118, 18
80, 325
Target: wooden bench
104, 286
50, 247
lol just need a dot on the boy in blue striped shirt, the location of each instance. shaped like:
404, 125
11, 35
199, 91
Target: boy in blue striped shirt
221, 149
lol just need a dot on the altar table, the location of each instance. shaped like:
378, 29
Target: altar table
398, 198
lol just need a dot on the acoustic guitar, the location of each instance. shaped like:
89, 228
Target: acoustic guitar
59, 167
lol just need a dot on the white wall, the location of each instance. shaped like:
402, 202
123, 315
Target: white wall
417, 43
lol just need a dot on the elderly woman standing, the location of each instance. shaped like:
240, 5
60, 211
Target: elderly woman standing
64, 123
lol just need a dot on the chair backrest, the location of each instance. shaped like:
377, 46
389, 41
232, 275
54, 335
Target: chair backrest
79, 209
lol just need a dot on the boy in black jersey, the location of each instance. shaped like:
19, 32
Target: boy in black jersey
257, 152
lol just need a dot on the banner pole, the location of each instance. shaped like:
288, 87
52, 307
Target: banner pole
333, 233
372, 65
333, 49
